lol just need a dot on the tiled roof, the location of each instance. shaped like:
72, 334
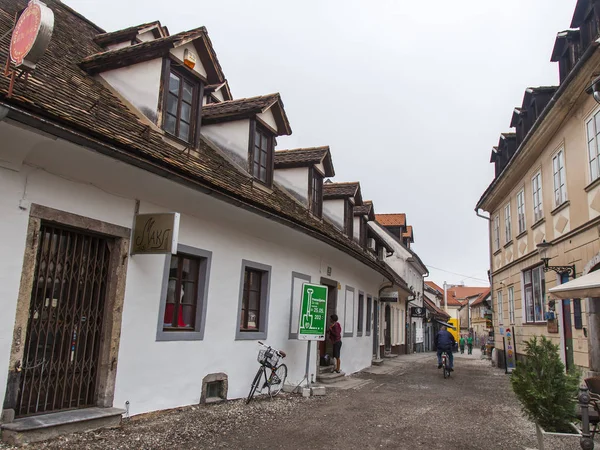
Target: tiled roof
437, 311
122, 35
223, 87
305, 157
409, 233
366, 209
143, 51
481, 297
393, 220
245, 107
464, 292
342, 190
434, 286
79, 108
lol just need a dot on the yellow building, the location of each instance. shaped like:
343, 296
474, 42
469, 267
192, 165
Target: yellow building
547, 188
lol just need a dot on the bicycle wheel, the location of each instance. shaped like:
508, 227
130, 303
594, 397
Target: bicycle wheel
254, 385
277, 379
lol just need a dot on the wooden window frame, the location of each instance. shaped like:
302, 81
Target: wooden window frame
361, 313
511, 305
369, 315
204, 258
496, 231
197, 96
315, 201
348, 218
528, 286
255, 128
260, 332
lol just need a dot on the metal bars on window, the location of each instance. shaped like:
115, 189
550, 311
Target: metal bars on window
64, 329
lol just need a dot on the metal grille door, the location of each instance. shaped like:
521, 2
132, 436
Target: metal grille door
60, 363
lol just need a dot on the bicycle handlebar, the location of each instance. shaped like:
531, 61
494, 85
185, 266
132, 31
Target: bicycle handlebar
279, 352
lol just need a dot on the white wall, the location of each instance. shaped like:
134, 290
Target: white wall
267, 117
219, 94
356, 228
179, 51
295, 181
232, 138
334, 211
155, 375
139, 84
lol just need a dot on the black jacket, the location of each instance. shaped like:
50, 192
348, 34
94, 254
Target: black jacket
444, 340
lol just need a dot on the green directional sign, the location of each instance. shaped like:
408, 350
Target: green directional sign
313, 313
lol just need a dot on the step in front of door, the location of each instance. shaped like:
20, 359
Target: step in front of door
47, 426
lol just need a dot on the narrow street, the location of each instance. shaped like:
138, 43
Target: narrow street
405, 403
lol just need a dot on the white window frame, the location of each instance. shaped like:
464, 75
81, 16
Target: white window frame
349, 302
500, 303
511, 305
507, 223
593, 149
560, 177
537, 196
521, 211
496, 231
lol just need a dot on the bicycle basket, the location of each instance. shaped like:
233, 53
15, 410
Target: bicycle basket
268, 357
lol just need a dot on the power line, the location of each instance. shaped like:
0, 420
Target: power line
459, 274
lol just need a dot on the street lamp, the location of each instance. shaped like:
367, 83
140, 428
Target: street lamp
543, 248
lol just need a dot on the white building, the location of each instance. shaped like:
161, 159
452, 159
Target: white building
143, 130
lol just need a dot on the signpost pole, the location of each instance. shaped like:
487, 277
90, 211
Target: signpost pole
307, 364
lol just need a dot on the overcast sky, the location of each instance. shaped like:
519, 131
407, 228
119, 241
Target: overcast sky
411, 95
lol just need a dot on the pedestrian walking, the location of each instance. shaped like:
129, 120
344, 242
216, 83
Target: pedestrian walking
461, 344
470, 344
335, 334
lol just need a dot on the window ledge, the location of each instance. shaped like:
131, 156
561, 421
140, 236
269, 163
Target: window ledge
592, 185
261, 186
560, 207
172, 137
497, 252
522, 234
250, 335
538, 223
359, 334
349, 334
534, 324
172, 335
508, 244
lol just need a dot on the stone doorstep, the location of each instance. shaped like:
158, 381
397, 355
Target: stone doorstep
330, 377
47, 426
377, 362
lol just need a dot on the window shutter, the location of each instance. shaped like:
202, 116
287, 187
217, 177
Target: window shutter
577, 313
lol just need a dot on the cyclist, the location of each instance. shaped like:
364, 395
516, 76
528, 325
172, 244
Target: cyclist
445, 342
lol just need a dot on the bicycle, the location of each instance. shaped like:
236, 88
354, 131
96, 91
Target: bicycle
445, 365
268, 358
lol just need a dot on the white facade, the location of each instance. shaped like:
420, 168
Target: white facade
153, 374
295, 181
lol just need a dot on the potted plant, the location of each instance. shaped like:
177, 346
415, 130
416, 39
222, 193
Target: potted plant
548, 394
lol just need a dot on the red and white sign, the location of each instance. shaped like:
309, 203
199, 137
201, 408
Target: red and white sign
31, 35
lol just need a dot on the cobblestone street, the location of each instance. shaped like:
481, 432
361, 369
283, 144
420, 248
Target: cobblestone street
405, 403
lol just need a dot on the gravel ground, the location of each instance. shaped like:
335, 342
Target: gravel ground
409, 406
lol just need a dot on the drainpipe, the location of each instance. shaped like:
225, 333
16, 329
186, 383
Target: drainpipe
490, 276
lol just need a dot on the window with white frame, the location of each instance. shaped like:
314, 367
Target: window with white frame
349, 312
521, 210
496, 232
500, 309
560, 178
536, 184
511, 305
593, 139
533, 288
507, 223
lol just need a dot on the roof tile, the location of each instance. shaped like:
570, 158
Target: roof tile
393, 220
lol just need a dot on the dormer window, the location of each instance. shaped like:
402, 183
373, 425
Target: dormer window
181, 109
261, 155
316, 192
349, 218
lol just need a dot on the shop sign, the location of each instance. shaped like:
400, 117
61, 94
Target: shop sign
313, 313
155, 234
511, 359
388, 295
417, 311
31, 35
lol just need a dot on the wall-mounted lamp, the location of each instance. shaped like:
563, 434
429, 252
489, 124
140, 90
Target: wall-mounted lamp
543, 248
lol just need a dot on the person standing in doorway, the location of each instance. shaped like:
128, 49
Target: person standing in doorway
461, 344
470, 344
335, 334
